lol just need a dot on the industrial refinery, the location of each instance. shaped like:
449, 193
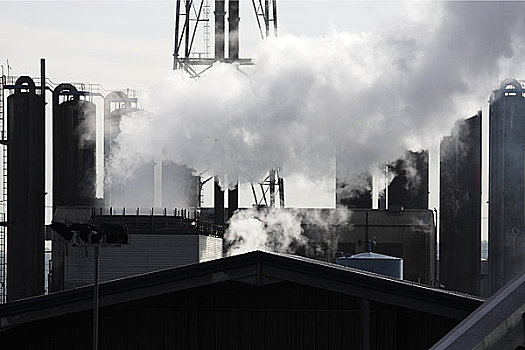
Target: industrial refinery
121, 229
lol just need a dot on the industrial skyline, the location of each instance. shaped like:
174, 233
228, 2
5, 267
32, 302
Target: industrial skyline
339, 169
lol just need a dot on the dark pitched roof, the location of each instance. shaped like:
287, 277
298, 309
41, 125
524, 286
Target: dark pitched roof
256, 268
497, 324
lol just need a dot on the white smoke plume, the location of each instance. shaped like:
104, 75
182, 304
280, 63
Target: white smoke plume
281, 230
370, 96
268, 230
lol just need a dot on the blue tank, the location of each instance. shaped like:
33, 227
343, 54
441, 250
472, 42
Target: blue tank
378, 263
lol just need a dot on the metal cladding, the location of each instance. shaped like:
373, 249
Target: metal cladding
180, 188
409, 188
354, 193
220, 32
25, 172
137, 191
506, 184
373, 262
74, 143
233, 29
460, 207
218, 203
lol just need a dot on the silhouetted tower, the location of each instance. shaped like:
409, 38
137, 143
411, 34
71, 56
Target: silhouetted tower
25, 186
460, 207
74, 143
506, 184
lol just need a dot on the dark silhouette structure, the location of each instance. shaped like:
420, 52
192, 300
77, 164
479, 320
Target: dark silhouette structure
506, 184
74, 144
460, 207
25, 172
354, 193
409, 187
251, 301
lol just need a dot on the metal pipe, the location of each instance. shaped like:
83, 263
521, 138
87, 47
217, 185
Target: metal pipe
95, 298
220, 32
275, 18
176, 46
233, 30
267, 17
272, 188
187, 34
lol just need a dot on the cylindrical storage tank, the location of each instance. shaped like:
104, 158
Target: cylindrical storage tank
26, 190
74, 144
378, 263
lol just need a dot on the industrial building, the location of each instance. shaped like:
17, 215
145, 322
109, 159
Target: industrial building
506, 183
255, 300
156, 241
168, 286
460, 207
407, 234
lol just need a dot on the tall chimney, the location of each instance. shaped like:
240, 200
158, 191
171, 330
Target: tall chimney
233, 29
220, 31
218, 199
233, 200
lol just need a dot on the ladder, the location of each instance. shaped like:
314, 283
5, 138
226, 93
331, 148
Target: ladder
3, 202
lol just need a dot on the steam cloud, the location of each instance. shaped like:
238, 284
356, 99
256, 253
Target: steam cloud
281, 231
367, 97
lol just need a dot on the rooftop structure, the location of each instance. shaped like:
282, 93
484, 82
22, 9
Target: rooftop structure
255, 300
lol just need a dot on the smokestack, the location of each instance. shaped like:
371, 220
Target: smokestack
233, 200
233, 29
220, 31
281, 192
218, 199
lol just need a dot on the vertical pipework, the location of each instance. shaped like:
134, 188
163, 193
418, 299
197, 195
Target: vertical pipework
233, 200
272, 188
281, 192
233, 29
218, 199
187, 28
275, 18
220, 31
26, 186
176, 43
43, 83
267, 17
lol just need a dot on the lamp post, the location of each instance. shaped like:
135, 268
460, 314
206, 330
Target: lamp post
93, 235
